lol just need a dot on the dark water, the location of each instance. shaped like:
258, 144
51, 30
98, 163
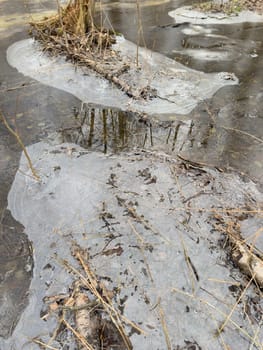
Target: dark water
225, 131
228, 128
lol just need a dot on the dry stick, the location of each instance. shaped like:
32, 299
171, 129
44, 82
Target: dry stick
224, 282
216, 297
56, 331
92, 305
255, 236
229, 316
80, 25
253, 250
60, 318
252, 326
21, 86
110, 309
139, 31
16, 135
243, 254
91, 11
171, 159
209, 112
78, 336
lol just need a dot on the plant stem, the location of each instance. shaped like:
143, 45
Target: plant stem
18, 138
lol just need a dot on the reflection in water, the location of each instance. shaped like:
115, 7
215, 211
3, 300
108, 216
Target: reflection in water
106, 130
114, 131
204, 136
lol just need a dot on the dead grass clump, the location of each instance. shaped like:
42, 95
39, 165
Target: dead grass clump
231, 7
245, 255
87, 312
72, 32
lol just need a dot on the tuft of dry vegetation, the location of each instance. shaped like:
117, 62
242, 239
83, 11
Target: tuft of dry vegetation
72, 32
244, 255
87, 312
73, 28
230, 7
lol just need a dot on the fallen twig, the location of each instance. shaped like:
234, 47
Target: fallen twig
18, 138
243, 254
78, 336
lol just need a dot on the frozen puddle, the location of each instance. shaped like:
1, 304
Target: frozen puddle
188, 14
206, 55
179, 89
158, 212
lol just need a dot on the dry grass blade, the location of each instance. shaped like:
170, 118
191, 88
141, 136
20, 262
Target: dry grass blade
224, 281
189, 264
234, 307
255, 336
243, 133
212, 116
164, 327
254, 237
18, 138
205, 302
61, 23
78, 336
42, 344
